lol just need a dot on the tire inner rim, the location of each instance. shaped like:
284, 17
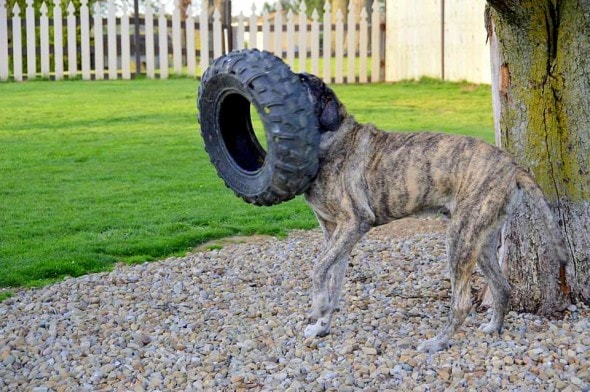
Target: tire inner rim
238, 134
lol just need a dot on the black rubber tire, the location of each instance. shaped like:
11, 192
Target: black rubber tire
291, 162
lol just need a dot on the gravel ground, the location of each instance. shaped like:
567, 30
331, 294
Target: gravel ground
233, 319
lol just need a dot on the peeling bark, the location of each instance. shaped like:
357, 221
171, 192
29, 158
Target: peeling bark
541, 94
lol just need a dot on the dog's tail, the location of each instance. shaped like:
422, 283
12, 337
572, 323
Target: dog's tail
555, 236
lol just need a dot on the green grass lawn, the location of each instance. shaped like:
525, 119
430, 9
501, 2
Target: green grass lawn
94, 173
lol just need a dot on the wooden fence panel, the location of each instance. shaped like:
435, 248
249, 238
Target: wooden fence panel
103, 45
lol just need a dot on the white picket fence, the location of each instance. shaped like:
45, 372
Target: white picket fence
349, 50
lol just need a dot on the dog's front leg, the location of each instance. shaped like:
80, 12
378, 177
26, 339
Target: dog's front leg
331, 266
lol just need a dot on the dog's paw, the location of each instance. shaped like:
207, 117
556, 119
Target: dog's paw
319, 329
433, 345
490, 328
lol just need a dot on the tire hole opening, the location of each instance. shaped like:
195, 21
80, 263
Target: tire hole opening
243, 132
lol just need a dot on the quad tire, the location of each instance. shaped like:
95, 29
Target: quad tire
290, 161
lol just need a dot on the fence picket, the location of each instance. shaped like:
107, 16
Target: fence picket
266, 32
44, 40
72, 44
252, 28
191, 58
58, 46
240, 31
17, 51
375, 43
163, 42
112, 39
204, 33
302, 36
176, 39
98, 43
3, 41
279, 30
351, 41
339, 47
125, 44
315, 43
290, 38
217, 37
85, 39
363, 45
327, 44
150, 57
31, 45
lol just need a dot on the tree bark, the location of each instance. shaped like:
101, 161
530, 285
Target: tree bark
541, 95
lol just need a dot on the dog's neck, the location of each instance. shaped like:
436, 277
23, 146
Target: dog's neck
331, 141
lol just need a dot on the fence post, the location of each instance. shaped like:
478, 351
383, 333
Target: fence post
98, 44
17, 43
149, 41
112, 39
58, 47
44, 40
327, 45
302, 36
85, 38
191, 58
31, 45
72, 44
125, 44
176, 39
375, 41
3, 41
163, 42
351, 49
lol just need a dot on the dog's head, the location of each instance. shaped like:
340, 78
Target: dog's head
328, 109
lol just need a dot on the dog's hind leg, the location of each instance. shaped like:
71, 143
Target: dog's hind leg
331, 266
488, 264
462, 248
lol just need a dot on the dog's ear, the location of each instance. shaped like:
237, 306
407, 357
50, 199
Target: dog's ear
328, 108
330, 118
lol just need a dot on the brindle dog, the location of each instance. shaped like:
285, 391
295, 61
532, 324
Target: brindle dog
369, 177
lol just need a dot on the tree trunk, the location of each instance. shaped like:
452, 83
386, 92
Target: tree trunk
541, 93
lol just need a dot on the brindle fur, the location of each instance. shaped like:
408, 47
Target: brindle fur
368, 177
